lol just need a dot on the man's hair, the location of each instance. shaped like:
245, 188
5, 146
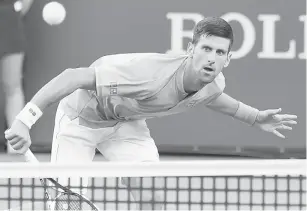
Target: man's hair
213, 26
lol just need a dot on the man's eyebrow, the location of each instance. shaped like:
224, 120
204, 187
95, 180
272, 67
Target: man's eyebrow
206, 45
220, 49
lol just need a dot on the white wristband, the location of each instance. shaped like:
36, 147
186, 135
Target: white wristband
246, 114
29, 114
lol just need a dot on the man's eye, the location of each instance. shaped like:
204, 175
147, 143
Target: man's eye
220, 53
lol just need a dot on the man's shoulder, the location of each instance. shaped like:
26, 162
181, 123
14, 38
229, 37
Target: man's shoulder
136, 57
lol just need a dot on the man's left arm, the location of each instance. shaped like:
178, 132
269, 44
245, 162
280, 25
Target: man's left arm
268, 120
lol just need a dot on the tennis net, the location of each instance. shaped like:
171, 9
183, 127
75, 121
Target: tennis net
191, 185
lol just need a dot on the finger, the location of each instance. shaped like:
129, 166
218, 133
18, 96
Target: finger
18, 145
285, 127
14, 140
289, 122
278, 134
286, 116
23, 149
7, 131
273, 111
9, 135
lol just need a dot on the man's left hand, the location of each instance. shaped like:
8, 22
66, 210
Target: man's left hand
271, 121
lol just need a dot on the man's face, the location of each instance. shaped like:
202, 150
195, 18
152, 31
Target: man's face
209, 56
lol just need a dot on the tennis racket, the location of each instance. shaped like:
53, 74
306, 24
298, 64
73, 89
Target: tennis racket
59, 197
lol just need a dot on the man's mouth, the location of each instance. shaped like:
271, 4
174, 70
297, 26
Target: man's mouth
208, 69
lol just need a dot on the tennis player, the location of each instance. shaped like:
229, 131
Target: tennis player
105, 106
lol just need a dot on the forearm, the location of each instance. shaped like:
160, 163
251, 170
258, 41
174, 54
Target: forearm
229, 106
224, 104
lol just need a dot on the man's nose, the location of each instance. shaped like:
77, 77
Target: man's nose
211, 58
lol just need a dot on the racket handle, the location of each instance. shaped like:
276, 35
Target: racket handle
30, 157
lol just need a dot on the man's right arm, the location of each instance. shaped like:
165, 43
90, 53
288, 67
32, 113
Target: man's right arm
59, 87
64, 84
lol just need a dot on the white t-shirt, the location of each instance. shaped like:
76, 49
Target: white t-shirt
137, 86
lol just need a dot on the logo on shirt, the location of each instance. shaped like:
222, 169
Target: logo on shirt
191, 104
113, 88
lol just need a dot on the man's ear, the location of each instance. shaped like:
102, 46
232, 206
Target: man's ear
190, 48
228, 59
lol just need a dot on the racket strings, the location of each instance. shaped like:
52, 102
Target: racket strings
66, 201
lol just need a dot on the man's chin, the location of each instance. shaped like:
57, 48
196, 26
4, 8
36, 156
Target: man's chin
207, 80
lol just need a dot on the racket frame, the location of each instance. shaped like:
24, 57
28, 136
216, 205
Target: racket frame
31, 158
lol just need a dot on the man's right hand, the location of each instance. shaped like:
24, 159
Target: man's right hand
18, 136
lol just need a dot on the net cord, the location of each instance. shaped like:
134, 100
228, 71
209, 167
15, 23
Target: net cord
153, 169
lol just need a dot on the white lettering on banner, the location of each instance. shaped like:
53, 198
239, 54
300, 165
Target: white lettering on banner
177, 32
268, 43
303, 54
249, 34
